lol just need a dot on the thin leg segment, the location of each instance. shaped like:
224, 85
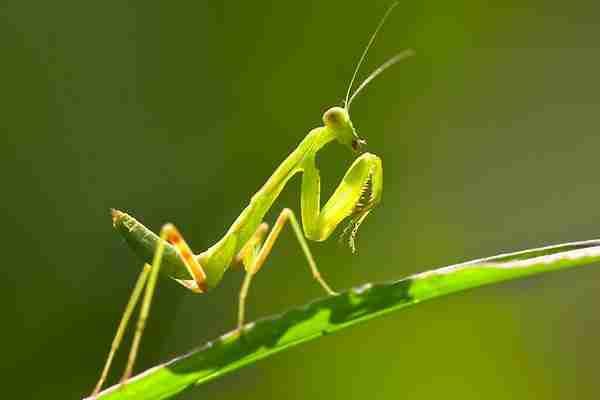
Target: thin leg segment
135, 295
146, 303
255, 262
242, 299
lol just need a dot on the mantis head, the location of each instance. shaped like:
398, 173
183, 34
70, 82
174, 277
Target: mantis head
338, 121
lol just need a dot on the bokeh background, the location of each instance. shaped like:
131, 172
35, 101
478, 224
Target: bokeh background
179, 111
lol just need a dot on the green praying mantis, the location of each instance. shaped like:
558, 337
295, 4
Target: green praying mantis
248, 241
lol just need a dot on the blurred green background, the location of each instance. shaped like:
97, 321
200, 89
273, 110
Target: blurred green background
179, 111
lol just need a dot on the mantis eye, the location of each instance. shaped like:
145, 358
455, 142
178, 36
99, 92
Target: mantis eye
334, 117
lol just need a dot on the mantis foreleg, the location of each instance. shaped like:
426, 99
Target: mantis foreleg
358, 192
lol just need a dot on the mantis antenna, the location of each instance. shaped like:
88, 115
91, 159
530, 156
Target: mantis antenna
398, 57
383, 67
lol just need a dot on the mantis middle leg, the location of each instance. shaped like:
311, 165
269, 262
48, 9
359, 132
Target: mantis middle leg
253, 256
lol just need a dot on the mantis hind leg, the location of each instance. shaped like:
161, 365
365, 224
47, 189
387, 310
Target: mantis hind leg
253, 256
147, 283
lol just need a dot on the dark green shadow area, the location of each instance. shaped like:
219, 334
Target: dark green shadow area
272, 335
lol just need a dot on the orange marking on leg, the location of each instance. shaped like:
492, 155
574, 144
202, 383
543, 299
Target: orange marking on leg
186, 255
174, 238
202, 286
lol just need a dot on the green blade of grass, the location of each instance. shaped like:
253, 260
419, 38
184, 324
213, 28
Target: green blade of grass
272, 335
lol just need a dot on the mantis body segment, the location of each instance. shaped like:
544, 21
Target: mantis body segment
249, 241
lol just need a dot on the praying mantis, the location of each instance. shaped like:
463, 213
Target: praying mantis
248, 241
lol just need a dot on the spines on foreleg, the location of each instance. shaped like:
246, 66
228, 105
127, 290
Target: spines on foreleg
365, 203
